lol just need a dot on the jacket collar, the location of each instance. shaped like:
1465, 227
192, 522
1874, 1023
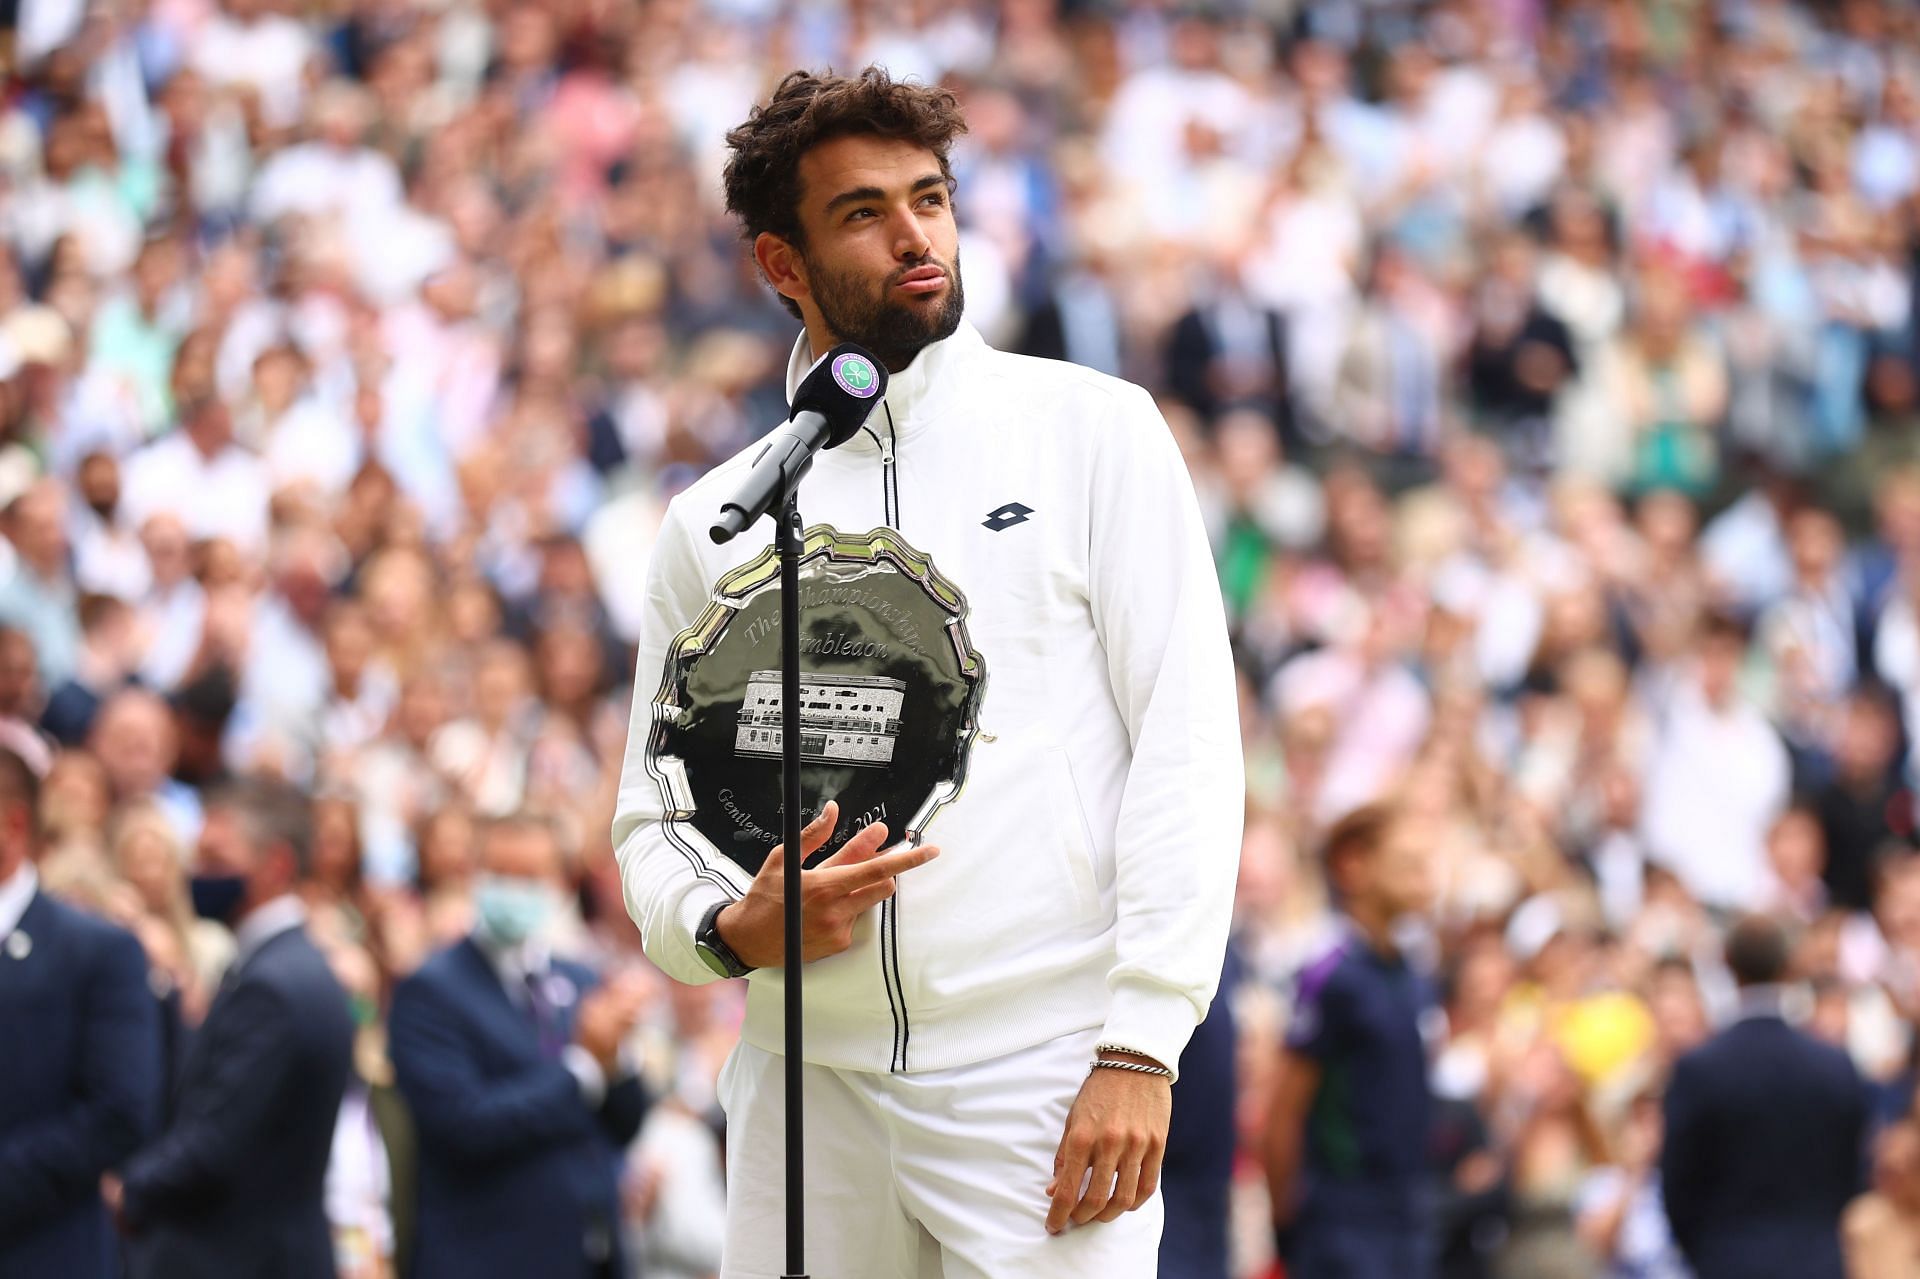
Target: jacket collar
910, 393
513, 964
1765, 1003
281, 915
16, 895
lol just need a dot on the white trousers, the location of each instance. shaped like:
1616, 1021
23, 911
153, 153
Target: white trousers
935, 1175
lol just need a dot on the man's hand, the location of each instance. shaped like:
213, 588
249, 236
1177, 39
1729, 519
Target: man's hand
607, 1016
1295, 1084
114, 1195
1118, 1129
833, 895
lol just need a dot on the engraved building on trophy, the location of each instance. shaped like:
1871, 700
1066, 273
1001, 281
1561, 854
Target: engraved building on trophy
844, 719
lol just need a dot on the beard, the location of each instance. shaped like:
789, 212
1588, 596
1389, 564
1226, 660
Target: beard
865, 314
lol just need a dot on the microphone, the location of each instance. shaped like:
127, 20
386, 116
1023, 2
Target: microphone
832, 402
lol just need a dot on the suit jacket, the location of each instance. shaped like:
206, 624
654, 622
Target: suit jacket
1192, 347
233, 1188
518, 1174
1196, 1173
1054, 332
79, 1086
1764, 1148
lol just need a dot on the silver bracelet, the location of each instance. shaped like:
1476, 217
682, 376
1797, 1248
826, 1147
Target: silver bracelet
1139, 1067
1125, 1051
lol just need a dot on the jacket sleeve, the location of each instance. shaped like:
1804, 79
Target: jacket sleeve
624, 1110
666, 893
1684, 1154
1852, 1175
48, 1165
202, 1151
1156, 607
625, 1101
480, 1120
1189, 362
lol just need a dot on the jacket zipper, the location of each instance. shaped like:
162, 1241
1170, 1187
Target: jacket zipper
890, 908
889, 479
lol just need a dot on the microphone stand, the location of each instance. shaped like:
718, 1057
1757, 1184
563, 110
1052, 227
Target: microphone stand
831, 402
787, 542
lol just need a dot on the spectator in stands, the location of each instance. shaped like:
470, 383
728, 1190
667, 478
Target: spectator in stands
1719, 777
1229, 351
37, 594
1881, 1230
1864, 808
104, 662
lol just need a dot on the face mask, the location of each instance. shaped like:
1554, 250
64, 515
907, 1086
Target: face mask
217, 897
511, 909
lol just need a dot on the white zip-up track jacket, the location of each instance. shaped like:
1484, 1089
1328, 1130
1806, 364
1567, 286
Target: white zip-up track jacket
1088, 861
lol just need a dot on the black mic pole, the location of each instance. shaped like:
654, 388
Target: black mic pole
776, 487
833, 399
788, 543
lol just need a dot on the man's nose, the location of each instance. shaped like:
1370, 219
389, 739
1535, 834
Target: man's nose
910, 240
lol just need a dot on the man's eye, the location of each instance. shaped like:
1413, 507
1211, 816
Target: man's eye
857, 214
935, 199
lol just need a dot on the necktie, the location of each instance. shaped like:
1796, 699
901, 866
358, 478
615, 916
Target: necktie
229, 978
546, 1018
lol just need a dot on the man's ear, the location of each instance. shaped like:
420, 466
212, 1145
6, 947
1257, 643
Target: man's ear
282, 865
16, 822
780, 262
1343, 875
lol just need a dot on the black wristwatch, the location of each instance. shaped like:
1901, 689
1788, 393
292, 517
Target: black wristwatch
714, 952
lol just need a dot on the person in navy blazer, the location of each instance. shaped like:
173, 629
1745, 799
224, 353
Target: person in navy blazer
232, 1189
80, 1071
1765, 1134
1196, 1174
509, 1060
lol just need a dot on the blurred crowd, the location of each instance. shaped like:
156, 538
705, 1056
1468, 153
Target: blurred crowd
1548, 371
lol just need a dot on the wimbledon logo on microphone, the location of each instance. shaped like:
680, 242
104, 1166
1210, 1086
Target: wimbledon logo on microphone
855, 375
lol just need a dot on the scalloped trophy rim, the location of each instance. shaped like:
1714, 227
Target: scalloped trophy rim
739, 587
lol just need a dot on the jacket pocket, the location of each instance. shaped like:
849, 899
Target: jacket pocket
1072, 838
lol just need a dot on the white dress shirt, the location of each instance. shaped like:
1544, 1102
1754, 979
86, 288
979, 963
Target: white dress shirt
1770, 1000
16, 893
222, 496
1718, 780
264, 924
532, 961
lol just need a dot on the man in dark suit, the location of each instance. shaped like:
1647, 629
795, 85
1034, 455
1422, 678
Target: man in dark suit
1196, 1175
80, 1072
233, 1188
1229, 351
509, 1059
1079, 319
1765, 1128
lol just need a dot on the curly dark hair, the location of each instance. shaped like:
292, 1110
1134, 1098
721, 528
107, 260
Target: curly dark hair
763, 174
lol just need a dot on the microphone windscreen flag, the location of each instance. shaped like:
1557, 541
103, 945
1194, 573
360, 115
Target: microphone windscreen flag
843, 386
